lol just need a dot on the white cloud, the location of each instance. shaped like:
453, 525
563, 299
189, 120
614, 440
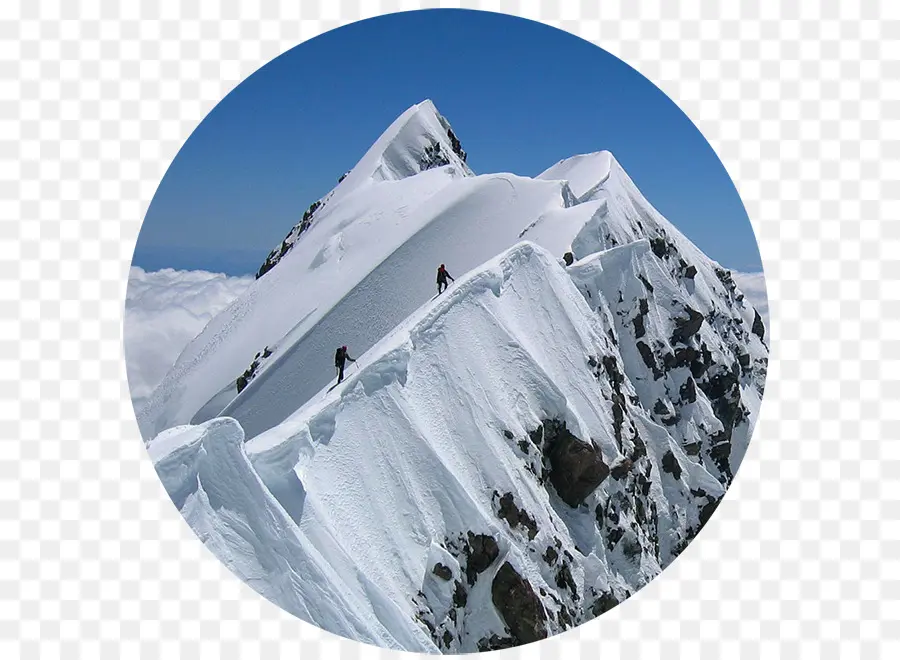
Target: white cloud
754, 287
164, 311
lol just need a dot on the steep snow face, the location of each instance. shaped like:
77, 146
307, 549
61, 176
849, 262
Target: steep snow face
350, 276
420, 139
334, 255
462, 225
497, 470
206, 472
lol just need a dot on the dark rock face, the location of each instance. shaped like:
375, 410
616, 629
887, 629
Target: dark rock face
569, 258
687, 328
433, 156
670, 464
639, 330
690, 272
758, 328
286, 245
604, 603
456, 145
495, 643
621, 469
688, 391
564, 580
659, 247
460, 595
649, 359
518, 605
481, 552
577, 467
515, 516
442, 571
551, 555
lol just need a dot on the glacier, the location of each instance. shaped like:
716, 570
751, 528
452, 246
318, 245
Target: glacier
506, 460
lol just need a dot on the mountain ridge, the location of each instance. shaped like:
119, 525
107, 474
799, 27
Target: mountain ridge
507, 459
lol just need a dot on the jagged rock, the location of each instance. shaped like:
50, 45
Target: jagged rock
664, 411
621, 469
577, 467
460, 595
758, 328
649, 359
720, 452
515, 517
670, 464
744, 360
508, 435
659, 247
690, 272
518, 606
707, 511
631, 546
646, 284
569, 258
564, 580
550, 555
481, 552
456, 145
447, 638
639, 330
612, 373
687, 328
688, 391
241, 383
496, 643
604, 603
442, 571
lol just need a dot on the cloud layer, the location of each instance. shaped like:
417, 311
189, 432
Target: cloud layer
164, 311
754, 287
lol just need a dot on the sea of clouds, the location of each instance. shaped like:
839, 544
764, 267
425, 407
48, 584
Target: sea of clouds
165, 309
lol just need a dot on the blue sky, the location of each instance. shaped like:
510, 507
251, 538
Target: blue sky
520, 95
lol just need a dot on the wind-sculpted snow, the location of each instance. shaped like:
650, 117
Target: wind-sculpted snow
494, 472
504, 461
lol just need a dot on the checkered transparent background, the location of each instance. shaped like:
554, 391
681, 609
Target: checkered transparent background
800, 100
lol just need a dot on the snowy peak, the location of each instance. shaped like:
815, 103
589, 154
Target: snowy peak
420, 139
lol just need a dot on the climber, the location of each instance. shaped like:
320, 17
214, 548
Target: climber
442, 276
340, 358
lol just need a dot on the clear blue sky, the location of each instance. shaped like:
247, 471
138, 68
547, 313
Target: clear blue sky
520, 95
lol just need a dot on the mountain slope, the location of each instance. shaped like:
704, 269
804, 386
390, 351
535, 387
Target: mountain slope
365, 262
496, 467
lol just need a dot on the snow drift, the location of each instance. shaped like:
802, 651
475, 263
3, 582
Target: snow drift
511, 458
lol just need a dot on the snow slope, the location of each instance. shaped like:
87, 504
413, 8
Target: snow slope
506, 460
366, 261
450, 434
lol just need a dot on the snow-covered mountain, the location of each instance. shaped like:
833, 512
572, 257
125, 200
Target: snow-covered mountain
506, 460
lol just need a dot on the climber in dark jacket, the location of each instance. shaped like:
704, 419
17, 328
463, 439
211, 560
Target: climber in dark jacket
442, 276
340, 358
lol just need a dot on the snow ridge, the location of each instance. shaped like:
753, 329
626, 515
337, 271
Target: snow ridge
506, 460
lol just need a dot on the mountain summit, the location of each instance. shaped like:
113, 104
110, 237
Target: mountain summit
420, 139
507, 459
